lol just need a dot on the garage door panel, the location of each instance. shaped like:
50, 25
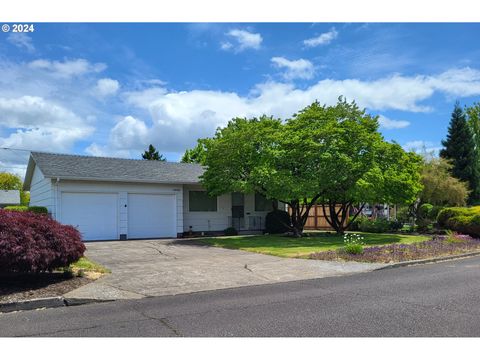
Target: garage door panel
151, 216
94, 214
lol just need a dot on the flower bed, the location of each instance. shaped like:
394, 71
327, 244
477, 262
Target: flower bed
438, 246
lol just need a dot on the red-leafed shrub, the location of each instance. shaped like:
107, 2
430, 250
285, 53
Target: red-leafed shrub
32, 242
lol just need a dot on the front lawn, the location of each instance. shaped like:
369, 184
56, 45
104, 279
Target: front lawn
302, 247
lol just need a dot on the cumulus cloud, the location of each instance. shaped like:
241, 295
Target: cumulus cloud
294, 69
40, 124
179, 118
241, 40
322, 39
387, 123
106, 87
21, 41
129, 134
67, 68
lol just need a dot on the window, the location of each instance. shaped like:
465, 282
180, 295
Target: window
200, 201
262, 203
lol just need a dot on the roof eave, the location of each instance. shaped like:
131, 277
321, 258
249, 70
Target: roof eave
76, 178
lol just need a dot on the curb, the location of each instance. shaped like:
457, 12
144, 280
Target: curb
426, 261
32, 304
50, 302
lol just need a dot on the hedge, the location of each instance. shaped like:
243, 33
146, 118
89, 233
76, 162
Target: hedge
31, 242
463, 220
35, 209
379, 225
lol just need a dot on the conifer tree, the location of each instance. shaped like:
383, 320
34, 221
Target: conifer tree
152, 154
459, 148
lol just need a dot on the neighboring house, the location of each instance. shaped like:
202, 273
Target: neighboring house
111, 198
9, 197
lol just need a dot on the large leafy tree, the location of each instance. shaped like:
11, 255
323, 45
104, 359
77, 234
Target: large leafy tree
152, 154
439, 186
9, 181
332, 155
459, 148
197, 154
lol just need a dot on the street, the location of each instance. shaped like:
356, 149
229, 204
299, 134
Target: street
425, 300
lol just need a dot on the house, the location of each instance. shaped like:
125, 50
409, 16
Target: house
111, 198
9, 197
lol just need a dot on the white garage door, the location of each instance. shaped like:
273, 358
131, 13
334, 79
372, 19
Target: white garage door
94, 214
151, 216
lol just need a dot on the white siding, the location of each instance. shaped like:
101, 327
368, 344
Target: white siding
123, 189
206, 220
41, 191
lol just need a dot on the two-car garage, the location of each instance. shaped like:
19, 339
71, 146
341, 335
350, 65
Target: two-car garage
111, 198
107, 216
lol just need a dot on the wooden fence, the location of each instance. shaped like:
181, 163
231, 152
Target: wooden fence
316, 220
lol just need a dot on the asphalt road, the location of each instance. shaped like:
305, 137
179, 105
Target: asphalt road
440, 299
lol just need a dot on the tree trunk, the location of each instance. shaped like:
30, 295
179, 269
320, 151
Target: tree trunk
338, 219
299, 214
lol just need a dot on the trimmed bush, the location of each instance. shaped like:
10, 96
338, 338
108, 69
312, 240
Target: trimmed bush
375, 225
231, 231
16, 208
463, 220
35, 209
31, 242
38, 209
277, 222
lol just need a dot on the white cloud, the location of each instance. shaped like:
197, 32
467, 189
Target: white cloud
322, 39
421, 146
129, 134
179, 118
242, 40
21, 41
294, 69
39, 124
67, 68
106, 87
387, 123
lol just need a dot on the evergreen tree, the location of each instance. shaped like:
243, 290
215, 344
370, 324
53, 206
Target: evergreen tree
152, 154
459, 148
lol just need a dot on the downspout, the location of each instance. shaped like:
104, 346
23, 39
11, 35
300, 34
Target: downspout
56, 198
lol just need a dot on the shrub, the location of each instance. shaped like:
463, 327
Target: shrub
374, 226
463, 220
35, 209
353, 244
32, 242
38, 209
277, 222
16, 208
446, 213
231, 231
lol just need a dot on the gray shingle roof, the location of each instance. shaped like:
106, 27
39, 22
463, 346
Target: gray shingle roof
115, 169
9, 197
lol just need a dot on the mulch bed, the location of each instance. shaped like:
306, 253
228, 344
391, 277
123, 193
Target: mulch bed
438, 246
18, 287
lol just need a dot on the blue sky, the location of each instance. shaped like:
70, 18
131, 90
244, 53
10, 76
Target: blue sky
111, 89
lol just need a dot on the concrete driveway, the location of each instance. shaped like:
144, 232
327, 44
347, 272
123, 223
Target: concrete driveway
144, 268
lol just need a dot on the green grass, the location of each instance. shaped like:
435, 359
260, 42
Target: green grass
302, 247
86, 264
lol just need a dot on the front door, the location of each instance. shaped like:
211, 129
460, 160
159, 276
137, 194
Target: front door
238, 210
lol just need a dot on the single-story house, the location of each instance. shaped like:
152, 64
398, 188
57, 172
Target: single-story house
9, 197
112, 198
